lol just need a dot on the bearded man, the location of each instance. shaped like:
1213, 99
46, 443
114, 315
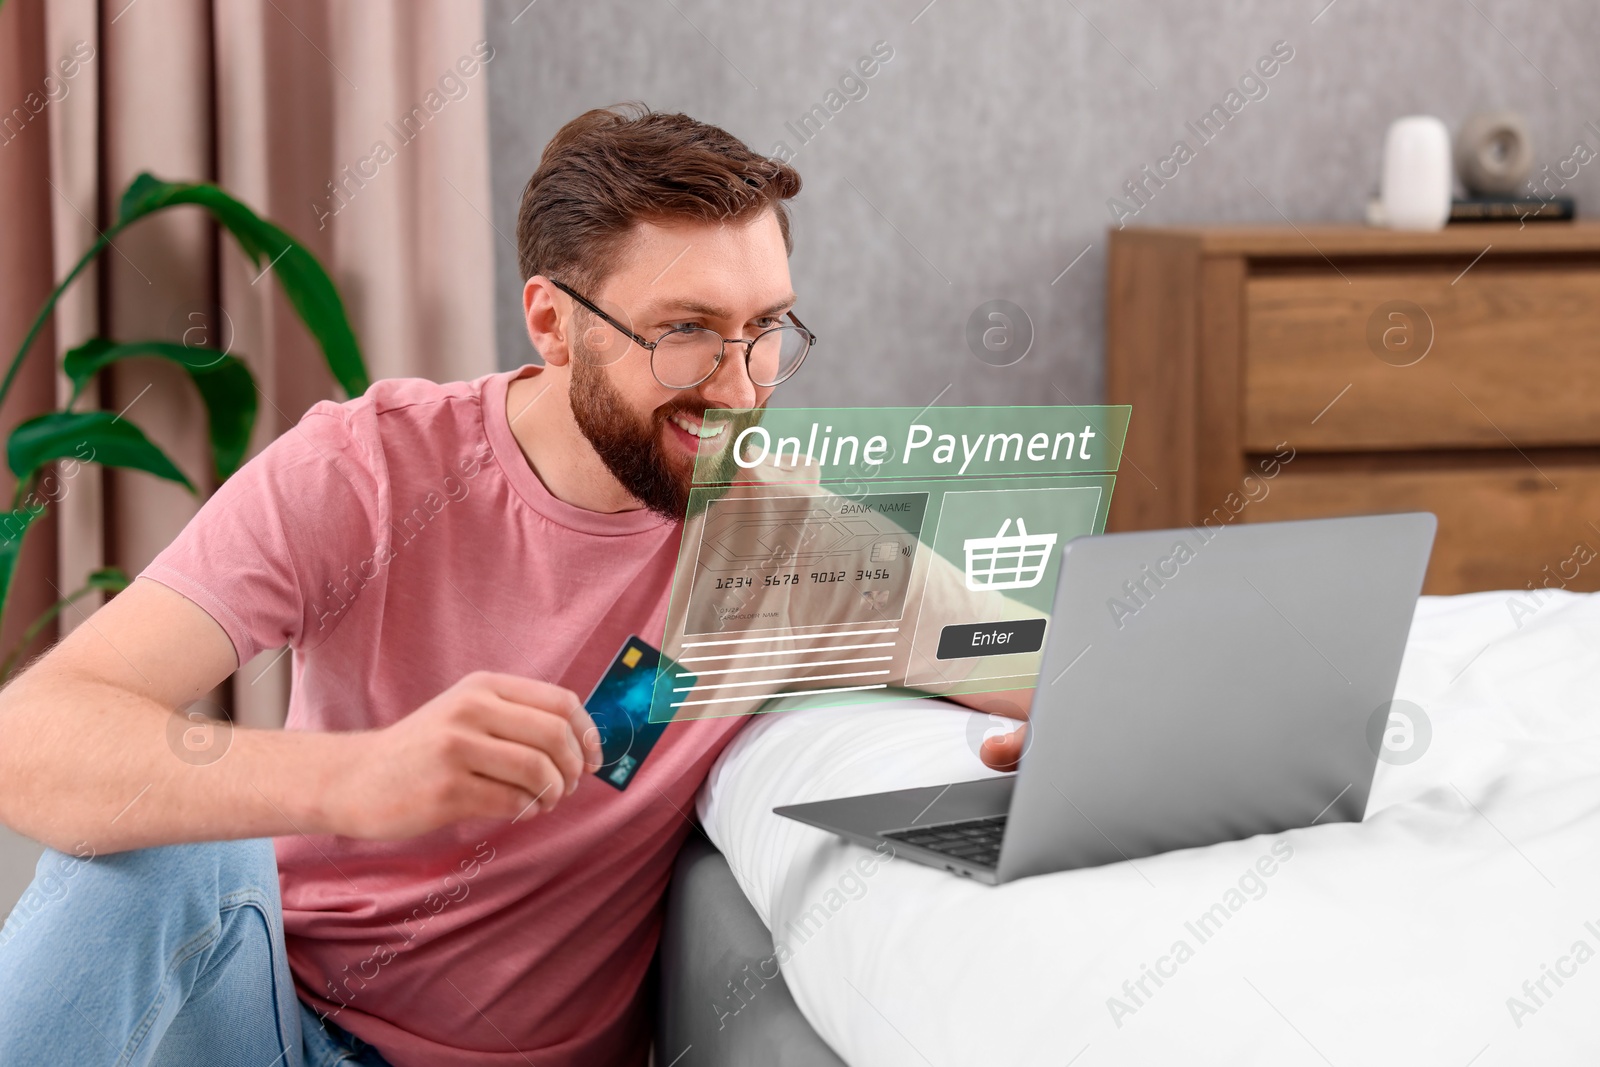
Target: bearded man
421, 869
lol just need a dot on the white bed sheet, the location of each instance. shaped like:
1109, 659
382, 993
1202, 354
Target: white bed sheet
1405, 939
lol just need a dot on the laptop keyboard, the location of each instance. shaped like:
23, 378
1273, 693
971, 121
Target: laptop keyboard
977, 841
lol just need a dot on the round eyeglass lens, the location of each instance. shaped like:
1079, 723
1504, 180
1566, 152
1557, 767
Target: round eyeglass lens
777, 353
685, 358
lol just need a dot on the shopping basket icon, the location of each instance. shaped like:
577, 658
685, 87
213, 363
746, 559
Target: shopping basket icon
1014, 561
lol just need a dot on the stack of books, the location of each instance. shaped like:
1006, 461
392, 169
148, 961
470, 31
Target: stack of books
1513, 209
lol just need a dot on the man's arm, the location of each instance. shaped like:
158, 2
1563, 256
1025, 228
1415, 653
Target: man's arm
86, 756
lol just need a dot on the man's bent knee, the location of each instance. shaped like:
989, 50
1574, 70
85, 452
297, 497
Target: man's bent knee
139, 882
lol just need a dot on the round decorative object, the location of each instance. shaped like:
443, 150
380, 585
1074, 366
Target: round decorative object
1416, 174
1494, 153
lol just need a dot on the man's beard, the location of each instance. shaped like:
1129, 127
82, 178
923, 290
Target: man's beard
633, 448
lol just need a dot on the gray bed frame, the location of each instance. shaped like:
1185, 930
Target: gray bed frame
717, 1007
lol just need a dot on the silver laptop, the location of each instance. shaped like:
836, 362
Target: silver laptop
1199, 685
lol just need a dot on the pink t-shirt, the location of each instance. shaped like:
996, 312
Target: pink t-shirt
396, 543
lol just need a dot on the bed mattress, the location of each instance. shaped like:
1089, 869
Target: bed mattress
1458, 923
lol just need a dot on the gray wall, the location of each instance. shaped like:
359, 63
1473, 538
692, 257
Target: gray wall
979, 163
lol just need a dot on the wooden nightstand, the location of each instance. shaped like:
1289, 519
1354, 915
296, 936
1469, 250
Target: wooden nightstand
1400, 371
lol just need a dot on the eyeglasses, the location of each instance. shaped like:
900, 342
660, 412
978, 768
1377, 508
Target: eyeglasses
685, 356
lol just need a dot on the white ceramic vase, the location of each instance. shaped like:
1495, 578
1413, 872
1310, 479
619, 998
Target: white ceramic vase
1415, 188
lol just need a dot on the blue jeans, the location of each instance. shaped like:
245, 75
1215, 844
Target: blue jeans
170, 956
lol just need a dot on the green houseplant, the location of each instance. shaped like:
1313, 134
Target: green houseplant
225, 384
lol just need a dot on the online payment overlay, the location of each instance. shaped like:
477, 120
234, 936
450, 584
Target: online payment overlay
843, 555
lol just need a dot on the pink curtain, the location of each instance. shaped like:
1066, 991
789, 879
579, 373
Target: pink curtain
360, 127
25, 274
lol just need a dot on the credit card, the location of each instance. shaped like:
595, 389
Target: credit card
620, 708
820, 559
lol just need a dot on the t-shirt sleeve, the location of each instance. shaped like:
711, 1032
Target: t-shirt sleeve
257, 555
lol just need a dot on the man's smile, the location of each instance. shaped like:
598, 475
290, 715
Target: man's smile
694, 433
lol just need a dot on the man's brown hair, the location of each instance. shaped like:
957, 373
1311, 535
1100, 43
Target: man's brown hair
611, 168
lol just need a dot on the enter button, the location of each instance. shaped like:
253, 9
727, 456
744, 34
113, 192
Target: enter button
991, 639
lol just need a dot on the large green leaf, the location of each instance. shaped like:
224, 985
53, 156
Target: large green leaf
307, 285
111, 441
304, 282
224, 382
